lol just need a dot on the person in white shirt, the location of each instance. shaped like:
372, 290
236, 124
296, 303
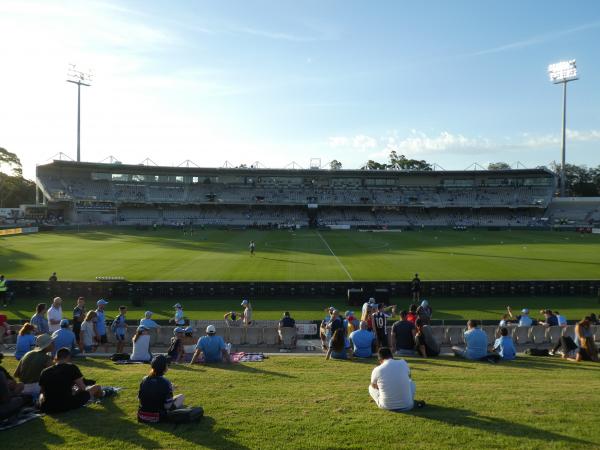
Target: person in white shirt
391, 386
141, 345
54, 315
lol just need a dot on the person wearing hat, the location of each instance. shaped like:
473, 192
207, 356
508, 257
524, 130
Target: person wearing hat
141, 345
101, 323
211, 347
31, 365
351, 323
523, 320
247, 314
64, 338
175, 351
178, 318
157, 402
424, 312
148, 322
232, 319
54, 315
63, 388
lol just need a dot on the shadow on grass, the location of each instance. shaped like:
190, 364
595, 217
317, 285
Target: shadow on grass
244, 368
37, 430
98, 362
122, 427
204, 434
287, 261
466, 418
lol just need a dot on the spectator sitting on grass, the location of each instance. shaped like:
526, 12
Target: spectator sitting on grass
10, 399
232, 319
504, 345
339, 347
426, 344
64, 338
63, 388
39, 321
585, 341
211, 347
141, 345
25, 340
351, 323
156, 394
148, 322
412, 313
391, 386
13, 387
176, 352
476, 344
31, 365
403, 336
362, 341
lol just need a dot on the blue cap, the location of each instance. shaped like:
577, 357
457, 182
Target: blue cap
64, 323
177, 305
244, 302
189, 330
101, 302
142, 328
178, 330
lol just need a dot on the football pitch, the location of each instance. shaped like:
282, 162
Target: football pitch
302, 255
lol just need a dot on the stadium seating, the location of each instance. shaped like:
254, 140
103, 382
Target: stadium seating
538, 335
553, 334
521, 335
455, 336
254, 336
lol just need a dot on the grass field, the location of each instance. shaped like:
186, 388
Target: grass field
302, 255
307, 402
452, 308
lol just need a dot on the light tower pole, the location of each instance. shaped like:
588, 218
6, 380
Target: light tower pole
80, 79
563, 72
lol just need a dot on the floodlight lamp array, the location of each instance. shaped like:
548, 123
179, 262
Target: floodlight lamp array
563, 71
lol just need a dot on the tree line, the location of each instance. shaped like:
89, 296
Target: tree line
14, 189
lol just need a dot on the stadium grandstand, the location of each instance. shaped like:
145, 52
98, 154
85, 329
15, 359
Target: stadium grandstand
120, 194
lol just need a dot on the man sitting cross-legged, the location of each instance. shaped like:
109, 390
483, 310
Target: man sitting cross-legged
391, 386
211, 347
63, 388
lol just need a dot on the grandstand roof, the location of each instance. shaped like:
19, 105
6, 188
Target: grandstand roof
171, 170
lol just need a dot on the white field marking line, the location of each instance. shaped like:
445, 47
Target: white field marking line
335, 256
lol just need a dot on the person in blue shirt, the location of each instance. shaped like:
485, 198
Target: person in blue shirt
101, 323
25, 340
504, 346
119, 328
64, 337
148, 322
211, 347
523, 320
39, 321
477, 343
339, 346
362, 341
178, 318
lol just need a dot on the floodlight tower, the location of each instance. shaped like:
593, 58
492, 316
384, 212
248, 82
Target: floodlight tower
80, 79
563, 72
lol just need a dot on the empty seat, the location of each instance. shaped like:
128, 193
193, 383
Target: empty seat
270, 336
439, 334
288, 337
553, 334
254, 335
491, 331
538, 334
455, 335
236, 335
521, 335
223, 332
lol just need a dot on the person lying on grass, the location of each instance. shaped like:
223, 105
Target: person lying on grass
211, 348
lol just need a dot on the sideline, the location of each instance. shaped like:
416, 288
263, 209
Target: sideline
335, 256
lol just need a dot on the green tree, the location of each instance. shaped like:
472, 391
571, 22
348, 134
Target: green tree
14, 189
374, 165
401, 162
335, 165
12, 161
499, 166
580, 180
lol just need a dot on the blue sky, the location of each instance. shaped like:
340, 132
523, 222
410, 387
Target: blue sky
452, 82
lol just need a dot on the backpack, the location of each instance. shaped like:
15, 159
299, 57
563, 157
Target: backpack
119, 357
537, 352
185, 415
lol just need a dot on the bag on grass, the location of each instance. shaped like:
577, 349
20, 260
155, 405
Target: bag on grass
119, 357
185, 415
537, 352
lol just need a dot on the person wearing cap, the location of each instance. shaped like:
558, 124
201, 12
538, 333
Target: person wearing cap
176, 352
54, 315
178, 317
523, 320
101, 323
78, 317
211, 348
351, 323
247, 313
64, 338
31, 365
231, 319
119, 328
424, 312
62, 386
156, 398
148, 322
141, 345
367, 308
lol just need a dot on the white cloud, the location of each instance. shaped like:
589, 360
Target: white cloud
360, 142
